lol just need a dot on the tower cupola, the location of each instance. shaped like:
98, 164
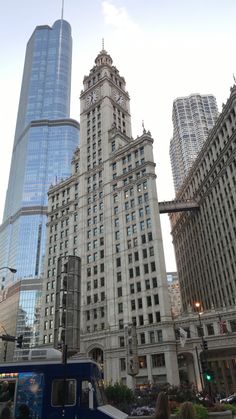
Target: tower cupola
103, 58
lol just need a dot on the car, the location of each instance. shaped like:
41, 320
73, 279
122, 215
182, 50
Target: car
230, 399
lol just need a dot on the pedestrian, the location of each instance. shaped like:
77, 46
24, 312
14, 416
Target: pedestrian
162, 410
187, 411
4, 392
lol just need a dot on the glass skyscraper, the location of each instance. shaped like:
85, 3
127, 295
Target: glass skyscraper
45, 139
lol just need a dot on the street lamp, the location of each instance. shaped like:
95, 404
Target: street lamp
13, 270
198, 307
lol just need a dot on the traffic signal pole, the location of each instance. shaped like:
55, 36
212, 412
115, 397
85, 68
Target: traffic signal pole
199, 368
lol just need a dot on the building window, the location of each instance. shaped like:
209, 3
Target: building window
122, 341
141, 322
158, 360
158, 316
142, 338
118, 276
121, 324
119, 292
149, 300
233, 325
146, 269
159, 336
137, 270
147, 284
120, 308
154, 282
156, 299
153, 266
140, 303
122, 364
142, 360
151, 337
149, 237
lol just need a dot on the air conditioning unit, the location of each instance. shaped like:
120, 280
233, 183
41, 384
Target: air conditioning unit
37, 354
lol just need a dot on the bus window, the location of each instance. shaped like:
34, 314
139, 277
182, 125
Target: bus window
63, 390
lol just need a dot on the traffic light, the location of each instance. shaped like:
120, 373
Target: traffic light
209, 375
204, 365
8, 338
205, 345
19, 341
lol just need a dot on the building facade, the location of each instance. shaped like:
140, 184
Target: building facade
204, 239
218, 329
20, 308
107, 214
193, 117
45, 139
174, 292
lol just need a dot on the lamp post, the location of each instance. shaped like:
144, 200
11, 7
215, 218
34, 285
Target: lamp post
198, 307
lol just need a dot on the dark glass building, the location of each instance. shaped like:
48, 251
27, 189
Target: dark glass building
45, 139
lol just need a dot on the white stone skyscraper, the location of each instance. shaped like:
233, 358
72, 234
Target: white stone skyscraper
192, 117
107, 214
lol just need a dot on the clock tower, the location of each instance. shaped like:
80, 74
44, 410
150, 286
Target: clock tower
113, 224
104, 96
123, 271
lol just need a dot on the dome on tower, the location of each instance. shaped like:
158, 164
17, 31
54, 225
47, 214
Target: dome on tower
103, 58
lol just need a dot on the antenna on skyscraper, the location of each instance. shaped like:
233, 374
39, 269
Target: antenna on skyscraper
62, 9
102, 44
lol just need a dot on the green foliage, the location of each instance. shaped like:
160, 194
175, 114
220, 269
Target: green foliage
119, 393
201, 411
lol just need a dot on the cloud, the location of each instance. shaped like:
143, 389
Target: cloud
117, 17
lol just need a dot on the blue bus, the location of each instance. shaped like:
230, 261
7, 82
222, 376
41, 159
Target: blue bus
50, 389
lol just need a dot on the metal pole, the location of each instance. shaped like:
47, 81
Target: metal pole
199, 369
5, 351
64, 360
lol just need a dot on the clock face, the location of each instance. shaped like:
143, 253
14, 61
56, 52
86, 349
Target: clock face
119, 98
92, 97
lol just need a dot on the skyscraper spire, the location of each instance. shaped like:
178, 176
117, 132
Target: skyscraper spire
62, 9
102, 44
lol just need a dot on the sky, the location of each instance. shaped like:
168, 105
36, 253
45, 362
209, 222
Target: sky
164, 48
